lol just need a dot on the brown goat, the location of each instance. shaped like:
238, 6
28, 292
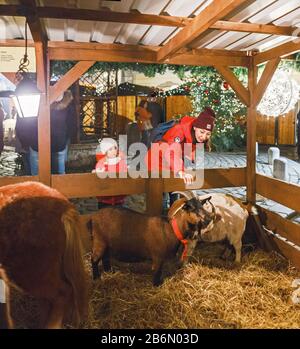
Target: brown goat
131, 237
40, 251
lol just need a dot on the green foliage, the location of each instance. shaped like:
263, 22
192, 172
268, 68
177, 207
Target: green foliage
208, 88
229, 139
59, 68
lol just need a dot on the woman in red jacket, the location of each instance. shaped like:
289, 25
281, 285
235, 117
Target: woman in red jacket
188, 131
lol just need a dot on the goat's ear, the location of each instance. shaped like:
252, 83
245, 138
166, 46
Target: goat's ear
205, 200
217, 218
188, 205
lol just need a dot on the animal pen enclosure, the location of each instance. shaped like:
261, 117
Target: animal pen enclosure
215, 33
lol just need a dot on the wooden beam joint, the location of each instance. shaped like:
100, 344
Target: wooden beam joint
236, 85
69, 78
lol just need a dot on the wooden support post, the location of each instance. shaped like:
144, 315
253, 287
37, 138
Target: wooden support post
42, 64
251, 134
154, 196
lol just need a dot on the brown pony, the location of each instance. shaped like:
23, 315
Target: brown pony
40, 251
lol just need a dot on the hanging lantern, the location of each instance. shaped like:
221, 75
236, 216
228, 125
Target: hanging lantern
26, 97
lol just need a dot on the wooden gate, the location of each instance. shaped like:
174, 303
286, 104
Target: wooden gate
98, 104
281, 130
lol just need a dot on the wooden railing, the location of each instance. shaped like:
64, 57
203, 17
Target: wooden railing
284, 193
87, 185
288, 241
17, 179
288, 195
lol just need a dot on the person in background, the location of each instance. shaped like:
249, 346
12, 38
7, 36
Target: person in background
144, 120
110, 160
155, 109
61, 111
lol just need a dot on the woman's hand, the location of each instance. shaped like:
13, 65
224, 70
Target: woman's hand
187, 177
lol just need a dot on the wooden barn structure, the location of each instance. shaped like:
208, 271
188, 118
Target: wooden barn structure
217, 33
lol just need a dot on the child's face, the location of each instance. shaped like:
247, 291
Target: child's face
112, 152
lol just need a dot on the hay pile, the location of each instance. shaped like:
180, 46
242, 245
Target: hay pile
207, 293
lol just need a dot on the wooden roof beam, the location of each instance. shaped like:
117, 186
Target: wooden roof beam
102, 55
256, 28
280, 51
212, 13
144, 56
90, 51
99, 16
210, 60
16, 43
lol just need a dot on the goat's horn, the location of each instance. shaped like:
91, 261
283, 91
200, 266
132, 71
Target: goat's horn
213, 208
187, 195
193, 195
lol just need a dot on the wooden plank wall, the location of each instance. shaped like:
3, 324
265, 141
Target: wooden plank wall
176, 105
125, 112
286, 128
265, 132
126, 107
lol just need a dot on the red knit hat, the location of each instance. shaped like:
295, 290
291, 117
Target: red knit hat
205, 120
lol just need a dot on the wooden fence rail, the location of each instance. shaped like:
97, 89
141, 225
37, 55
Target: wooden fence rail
279, 191
286, 229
